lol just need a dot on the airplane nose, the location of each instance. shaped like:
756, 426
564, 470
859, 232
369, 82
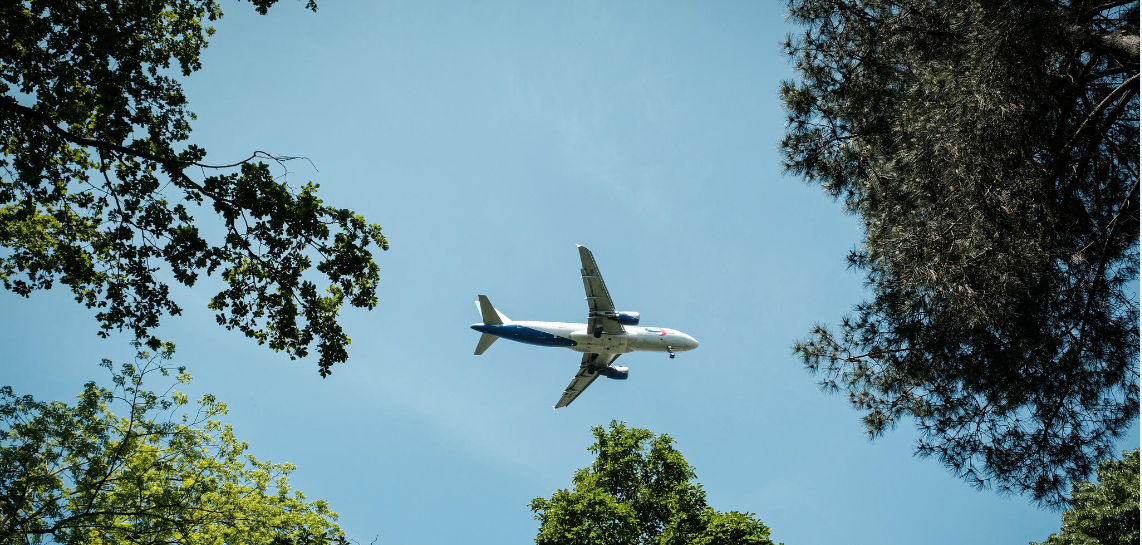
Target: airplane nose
692, 342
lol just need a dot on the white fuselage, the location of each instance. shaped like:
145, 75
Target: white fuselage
577, 338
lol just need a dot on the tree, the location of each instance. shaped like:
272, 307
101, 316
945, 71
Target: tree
1106, 512
98, 186
991, 150
157, 473
639, 490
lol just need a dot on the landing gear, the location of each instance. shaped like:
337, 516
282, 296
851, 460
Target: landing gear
671, 350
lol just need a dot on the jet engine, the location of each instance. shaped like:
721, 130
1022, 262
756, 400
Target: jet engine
626, 318
617, 373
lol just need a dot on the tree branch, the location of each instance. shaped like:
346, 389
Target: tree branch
12, 106
1109, 5
1110, 98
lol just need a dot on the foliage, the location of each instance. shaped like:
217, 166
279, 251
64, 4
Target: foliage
1106, 512
639, 490
97, 188
991, 150
155, 474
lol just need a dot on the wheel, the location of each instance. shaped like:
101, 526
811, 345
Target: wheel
672, 355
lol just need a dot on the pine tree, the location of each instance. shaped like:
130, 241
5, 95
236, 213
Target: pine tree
991, 150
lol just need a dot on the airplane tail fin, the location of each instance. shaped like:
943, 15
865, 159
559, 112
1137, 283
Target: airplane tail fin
486, 340
489, 314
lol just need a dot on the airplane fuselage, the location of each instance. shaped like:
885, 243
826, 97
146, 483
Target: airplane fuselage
577, 338
608, 333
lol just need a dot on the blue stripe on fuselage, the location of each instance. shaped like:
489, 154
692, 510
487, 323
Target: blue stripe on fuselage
524, 334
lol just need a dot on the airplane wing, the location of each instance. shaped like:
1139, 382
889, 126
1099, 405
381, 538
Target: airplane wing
598, 298
586, 375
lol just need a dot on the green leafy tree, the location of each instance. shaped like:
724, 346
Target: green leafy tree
639, 490
1106, 512
98, 185
157, 473
991, 150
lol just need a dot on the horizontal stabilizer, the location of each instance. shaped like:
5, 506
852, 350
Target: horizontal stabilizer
486, 340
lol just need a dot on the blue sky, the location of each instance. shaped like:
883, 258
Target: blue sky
488, 140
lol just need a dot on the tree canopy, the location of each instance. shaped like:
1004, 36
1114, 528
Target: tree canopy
155, 473
99, 186
641, 490
1103, 512
991, 150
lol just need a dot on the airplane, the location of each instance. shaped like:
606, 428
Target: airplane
607, 334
